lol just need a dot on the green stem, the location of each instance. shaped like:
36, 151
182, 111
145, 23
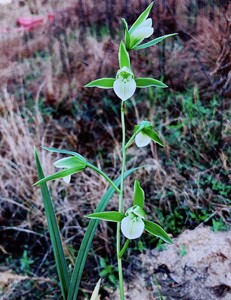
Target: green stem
130, 140
119, 259
122, 251
104, 175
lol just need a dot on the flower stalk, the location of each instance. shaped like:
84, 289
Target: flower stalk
118, 238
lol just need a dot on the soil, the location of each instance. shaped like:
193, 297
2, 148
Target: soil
196, 267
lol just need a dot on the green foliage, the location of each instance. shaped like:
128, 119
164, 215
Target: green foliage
25, 262
109, 271
138, 195
219, 225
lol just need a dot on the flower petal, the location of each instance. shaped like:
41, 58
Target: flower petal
67, 179
142, 32
124, 88
142, 140
132, 227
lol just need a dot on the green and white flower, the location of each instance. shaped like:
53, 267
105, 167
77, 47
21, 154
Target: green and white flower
70, 165
140, 32
132, 226
133, 222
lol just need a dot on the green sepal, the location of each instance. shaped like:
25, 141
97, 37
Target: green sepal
142, 125
113, 216
60, 174
69, 162
136, 210
103, 83
156, 230
124, 60
148, 82
126, 33
138, 198
153, 42
55, 150
153, 135
141, 18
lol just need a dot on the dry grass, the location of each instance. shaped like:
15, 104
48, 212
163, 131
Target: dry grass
43, 103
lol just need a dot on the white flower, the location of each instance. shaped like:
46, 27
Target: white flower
124, 85
61, 164
69, 163
132, 226
141, 32
142, 139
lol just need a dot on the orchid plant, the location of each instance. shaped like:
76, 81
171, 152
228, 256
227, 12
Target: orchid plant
133, 222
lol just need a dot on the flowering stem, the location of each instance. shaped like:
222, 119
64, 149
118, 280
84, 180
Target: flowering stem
122, 251
104, 175
120, 271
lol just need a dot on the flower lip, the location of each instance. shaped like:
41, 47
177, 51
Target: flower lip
142, 139
124, 85
132, 226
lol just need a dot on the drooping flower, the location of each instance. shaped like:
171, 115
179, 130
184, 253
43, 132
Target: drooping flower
142, 140
69, 165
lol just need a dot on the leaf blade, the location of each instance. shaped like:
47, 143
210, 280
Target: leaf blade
103, 83
113, 216
153, 42
55, 150
149, 82
138, 195
158, 231
124, 59
59, 175
153, 135
141, 18
54, 233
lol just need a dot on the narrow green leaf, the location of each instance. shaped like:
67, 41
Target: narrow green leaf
153, 42
103, 83
153, 135
156, 230
141, 18
87, 240
126, 33
124, 60
54, 233
148, 82
113, 216
138, 194
60, 174
55, 150
69, 162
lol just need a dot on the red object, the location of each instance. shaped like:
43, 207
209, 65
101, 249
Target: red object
30, 23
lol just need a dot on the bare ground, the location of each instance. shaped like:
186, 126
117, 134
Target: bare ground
196, 267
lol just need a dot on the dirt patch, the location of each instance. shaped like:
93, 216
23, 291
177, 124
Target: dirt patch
196, 267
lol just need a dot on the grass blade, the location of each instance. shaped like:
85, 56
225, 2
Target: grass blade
54, 233
87, 240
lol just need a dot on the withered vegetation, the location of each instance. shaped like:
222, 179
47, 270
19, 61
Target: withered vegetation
43, 102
